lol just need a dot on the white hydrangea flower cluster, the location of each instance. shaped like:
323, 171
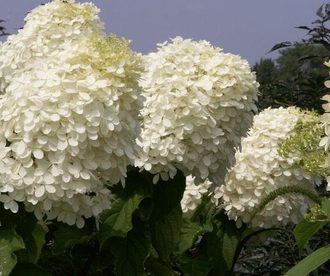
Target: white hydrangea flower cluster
50, 32
199, 103
69, 121
260, 169
192, 196
325, 118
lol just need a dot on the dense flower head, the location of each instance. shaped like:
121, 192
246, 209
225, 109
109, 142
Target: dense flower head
69, 124
325, 118
260, 169
199, 103
193, 194
50, 31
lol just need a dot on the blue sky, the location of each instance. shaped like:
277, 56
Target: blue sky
245, 27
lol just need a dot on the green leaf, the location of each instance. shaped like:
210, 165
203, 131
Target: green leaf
165, 233
118, 220
223, 244
119, 217
195, 266
34, 241
9, 243
156, 268
189, 232
230, 243
325, 205
28, 269
131, 252
166, 217
67, 237
304, 230
311, 262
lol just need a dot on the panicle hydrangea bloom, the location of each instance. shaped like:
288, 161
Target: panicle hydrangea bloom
192, 196
50, 31
325, 118
199, 103
261, 169
69, 123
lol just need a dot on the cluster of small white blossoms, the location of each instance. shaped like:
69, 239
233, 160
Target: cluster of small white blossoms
68, 116
193, 194
260, 169
325, 118
50, 32
199, 102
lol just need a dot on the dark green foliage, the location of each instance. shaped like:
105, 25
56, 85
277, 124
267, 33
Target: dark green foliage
296, 77
298, 74
3, 31
9, 243
131, 252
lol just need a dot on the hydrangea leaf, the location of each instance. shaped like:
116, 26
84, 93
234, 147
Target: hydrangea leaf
34, 241
10, 242
165, 233
311, 262
325, 205
118, 220
131, 252
199, 265
67, 237
305, 230
166, 218
223, 244
189, 232
158, 268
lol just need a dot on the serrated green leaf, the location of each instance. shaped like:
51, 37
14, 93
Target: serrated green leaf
304, 230
131, 252
311, 262
9, 243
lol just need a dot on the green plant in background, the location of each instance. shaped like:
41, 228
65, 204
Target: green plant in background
3, 31
294, 78
297, 76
